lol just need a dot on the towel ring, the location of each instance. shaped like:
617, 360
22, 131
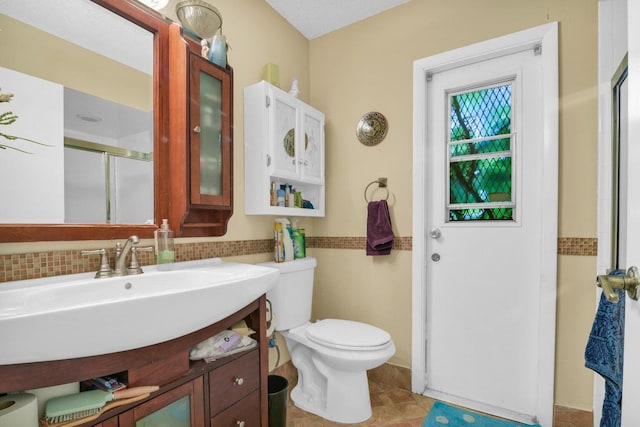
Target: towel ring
382, 183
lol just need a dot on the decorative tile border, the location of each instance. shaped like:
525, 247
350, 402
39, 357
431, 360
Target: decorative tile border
54, 263
578, 246
399, 243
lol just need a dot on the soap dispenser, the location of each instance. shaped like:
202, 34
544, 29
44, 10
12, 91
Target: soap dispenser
165, 248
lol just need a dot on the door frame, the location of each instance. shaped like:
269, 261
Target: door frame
545, 37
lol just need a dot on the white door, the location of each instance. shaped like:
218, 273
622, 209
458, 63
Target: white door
489, 303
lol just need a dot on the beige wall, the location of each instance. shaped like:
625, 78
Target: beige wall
368, 67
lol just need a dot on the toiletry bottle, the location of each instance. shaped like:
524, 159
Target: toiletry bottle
292, 198
299, 244
278, 243
218, 50
281, 197
287, 195
165, 249
286, 238
273, 194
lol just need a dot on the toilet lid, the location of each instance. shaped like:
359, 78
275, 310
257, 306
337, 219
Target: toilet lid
346, 334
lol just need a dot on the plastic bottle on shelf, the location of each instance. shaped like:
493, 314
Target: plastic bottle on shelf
273, 194
281, 197
292, 198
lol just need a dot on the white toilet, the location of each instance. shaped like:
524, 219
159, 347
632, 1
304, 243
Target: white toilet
332, 356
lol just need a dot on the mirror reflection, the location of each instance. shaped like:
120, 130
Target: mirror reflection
82, 84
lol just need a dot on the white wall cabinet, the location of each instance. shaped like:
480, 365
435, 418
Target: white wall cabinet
283, 144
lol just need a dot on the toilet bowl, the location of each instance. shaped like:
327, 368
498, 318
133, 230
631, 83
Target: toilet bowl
332, 356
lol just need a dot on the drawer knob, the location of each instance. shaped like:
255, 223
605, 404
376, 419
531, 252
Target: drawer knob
238, 381
240, 423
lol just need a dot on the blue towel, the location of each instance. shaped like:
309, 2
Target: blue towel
605, 354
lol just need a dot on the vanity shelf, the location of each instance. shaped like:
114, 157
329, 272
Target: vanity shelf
283, 145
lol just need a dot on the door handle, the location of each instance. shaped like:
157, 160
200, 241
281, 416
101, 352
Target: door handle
435, 233
628, 282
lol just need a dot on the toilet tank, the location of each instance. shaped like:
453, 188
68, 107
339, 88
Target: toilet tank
291, 296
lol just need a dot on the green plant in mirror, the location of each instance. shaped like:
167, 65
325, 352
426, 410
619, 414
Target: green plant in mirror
8, 118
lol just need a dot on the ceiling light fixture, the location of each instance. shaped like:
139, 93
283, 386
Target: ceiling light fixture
199, 18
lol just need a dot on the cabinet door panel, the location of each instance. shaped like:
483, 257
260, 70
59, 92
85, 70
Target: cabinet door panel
181, 406
283, 138
210, 134
312, 149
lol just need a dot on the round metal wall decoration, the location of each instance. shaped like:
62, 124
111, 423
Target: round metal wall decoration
372, 128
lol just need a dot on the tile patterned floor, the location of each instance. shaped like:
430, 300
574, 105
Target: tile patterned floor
393, 405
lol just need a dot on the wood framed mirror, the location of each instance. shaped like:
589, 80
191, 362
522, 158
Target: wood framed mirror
158, 27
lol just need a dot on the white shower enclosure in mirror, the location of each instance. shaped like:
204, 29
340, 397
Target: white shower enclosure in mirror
82, 80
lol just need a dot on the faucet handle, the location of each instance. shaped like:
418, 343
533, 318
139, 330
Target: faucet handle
134, 267
105, 269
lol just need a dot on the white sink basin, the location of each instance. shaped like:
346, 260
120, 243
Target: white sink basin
71, 316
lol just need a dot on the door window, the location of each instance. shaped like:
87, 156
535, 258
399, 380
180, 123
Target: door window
480, 163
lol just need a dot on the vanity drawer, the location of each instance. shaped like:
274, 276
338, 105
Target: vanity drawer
246, 410
233, 381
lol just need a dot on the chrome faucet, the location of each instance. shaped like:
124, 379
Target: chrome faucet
121, 256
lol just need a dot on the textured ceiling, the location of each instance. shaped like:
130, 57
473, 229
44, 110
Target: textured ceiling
314, 18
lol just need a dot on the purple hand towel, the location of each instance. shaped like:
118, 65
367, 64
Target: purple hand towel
379, 232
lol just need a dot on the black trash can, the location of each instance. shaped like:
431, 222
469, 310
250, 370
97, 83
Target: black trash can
278, 396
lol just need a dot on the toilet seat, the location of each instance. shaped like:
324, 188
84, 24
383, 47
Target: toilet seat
347, 335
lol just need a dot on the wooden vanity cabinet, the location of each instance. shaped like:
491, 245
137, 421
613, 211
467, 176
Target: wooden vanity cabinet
228, 392
200, 145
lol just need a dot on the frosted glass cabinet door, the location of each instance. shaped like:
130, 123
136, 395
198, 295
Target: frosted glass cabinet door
283, 138
176, 414
182, 406
210, 137
312, 151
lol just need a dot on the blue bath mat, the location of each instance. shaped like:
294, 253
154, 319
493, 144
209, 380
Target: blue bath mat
442, 415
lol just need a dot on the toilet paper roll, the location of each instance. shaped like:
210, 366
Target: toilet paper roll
20, 409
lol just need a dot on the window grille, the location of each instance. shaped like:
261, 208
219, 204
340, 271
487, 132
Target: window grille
480, 154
